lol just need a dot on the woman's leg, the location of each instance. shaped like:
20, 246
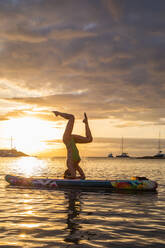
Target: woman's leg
68, 130
69, 126
88, 138
87, 129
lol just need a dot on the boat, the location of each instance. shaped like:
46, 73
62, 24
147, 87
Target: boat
110, 155
134, 184
123, 154
160, 154
12, 152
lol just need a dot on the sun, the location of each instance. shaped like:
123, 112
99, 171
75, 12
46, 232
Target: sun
29, 133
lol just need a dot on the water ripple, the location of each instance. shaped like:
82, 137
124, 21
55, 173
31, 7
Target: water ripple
43, 218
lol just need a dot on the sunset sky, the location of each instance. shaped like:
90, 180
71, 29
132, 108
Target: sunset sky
103, 57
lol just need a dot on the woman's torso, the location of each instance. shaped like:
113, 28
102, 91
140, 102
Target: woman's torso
72, 151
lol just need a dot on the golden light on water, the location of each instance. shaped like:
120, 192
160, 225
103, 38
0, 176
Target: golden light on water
30, 225
29, 134
30, 166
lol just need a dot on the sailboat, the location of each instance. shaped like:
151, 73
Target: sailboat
123, 154
12, 152
160, 154
110, 155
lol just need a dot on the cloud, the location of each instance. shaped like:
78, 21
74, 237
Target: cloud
12, 114
114, 7
29, 36
106, 57
3, 118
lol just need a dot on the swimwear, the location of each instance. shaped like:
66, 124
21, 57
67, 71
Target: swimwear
73, 153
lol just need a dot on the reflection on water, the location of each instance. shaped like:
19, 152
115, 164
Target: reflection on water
29, 225
28, 166
70, 218
73, 209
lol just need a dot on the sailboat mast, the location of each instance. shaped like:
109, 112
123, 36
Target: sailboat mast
122, 146
159, 144
11, 142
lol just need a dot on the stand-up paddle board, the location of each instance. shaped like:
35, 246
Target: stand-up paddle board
134, 184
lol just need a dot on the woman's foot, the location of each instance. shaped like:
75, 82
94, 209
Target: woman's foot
85, 118
56, 113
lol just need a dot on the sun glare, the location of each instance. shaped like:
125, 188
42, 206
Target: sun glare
29, 134
30, 166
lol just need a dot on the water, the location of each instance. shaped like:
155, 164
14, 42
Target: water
53, 218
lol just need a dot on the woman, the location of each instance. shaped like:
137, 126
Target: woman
70, 140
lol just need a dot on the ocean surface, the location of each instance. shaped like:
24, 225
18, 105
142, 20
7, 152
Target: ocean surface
72, 218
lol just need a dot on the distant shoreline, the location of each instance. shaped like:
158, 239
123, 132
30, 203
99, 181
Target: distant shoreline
12, 153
